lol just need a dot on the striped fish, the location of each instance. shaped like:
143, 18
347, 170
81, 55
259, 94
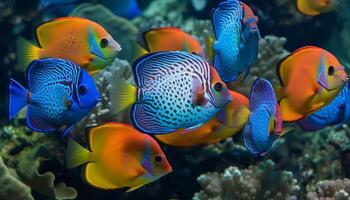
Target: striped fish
236, 39
264, 122
174, 90
336, 112
60, 94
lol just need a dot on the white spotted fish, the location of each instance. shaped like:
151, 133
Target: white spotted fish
174, 90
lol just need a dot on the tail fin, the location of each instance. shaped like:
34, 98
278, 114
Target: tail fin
76, 154
19, 98
139, 51
122, 94
26, 53
278, 91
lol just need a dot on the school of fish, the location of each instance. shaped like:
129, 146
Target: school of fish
180, 96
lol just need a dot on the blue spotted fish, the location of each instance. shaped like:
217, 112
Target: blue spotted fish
175, 90
236, 39
60, 94
265, 120
335, 113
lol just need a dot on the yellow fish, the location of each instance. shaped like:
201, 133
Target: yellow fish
227, 123
316, 7
120, 157
310, 77
80, 40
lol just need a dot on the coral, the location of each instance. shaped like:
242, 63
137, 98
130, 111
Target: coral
11, 187
28, 167
263, 181
330, 189
122, 30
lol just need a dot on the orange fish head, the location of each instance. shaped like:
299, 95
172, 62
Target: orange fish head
219, 95
102, 46
331, 74
154, 160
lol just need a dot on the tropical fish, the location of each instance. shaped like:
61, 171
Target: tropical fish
335, 113
229, 121
311, 77
59, 8
265, 121
77, 39
174, 90
119, 157
172, 39
316, 7
237, 39
123, 8
60, 94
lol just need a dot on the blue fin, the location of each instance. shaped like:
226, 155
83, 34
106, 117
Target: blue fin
18, 98
223, 13
247, 139
36, 122
262, 92
68, 130
307, 124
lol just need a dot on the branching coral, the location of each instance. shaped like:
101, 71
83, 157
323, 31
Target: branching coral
263, 181
330, 189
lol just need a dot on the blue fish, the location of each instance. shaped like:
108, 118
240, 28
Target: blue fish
59, 8
265, 120
175, 90
236, 39
60, 94
124, 8
335, 113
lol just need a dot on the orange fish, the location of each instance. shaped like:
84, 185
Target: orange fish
226, 124
173, 39
310, 77
73, 38
316, 7
120, 157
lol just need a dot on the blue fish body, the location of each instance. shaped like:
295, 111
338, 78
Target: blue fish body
167, 83
60, 94
124, 8
236, 46
336, 112
257, 136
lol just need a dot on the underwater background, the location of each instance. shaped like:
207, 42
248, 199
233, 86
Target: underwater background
301, 165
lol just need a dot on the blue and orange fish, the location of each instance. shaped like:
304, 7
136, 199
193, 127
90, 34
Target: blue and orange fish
60, 94
119, 157
265, 120
336, 112
237, 39
174, 90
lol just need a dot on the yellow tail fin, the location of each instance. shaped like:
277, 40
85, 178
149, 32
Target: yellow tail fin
139, 51
76, 154
279, 92
26, 53
122, 94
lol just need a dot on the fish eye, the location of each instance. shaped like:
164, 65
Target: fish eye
104, 43
82, 89
331, 70
218, 87
158, 159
